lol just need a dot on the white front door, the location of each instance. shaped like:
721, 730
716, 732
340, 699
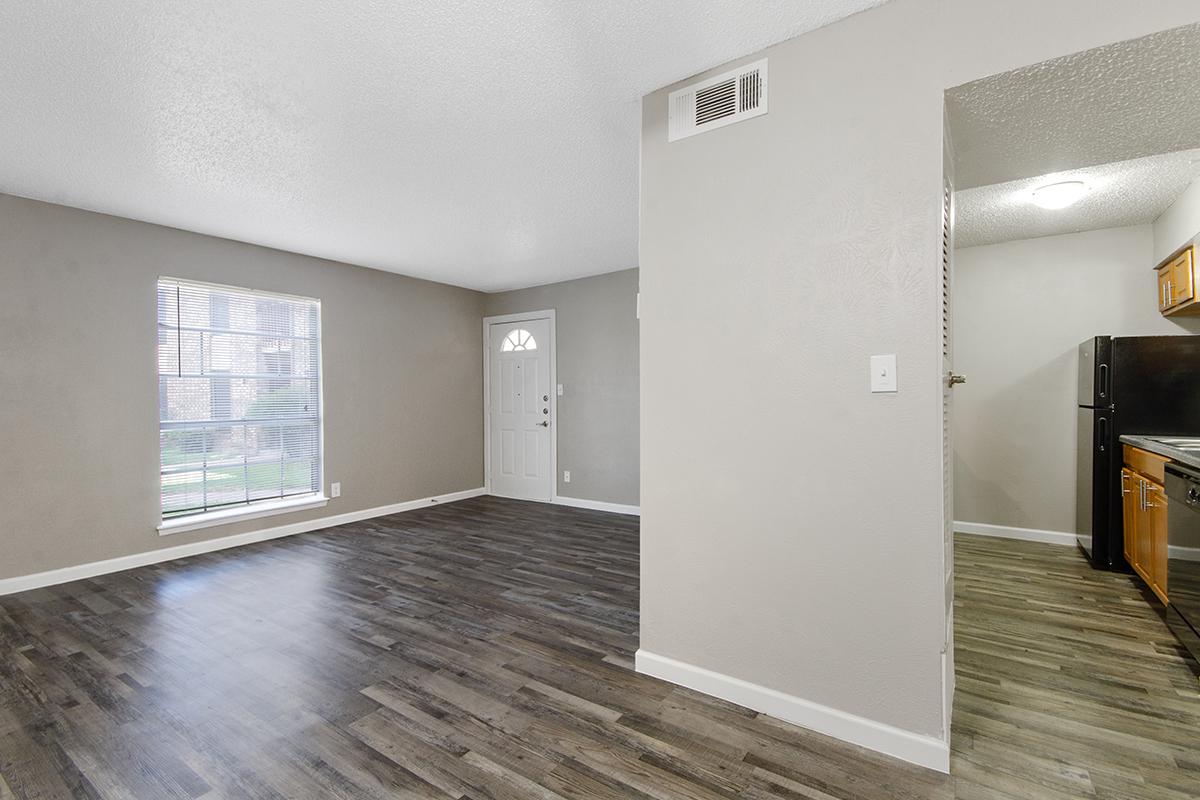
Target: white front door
520, 409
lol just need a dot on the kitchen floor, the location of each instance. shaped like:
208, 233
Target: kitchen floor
484, 648
1069, 684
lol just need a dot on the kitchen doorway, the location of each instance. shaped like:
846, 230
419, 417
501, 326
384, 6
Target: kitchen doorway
1075, 196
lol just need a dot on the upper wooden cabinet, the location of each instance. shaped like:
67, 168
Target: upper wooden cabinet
1177, 283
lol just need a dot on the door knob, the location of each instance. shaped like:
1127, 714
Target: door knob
545, 423
955, 380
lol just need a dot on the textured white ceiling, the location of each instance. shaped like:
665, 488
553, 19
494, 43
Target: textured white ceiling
1124, 193
490, 145
1113, 103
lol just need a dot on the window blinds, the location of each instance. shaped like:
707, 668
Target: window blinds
239, 396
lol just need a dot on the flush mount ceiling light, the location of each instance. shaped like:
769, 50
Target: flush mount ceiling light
1059, 195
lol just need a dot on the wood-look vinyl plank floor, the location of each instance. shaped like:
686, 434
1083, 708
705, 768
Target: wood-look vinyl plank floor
484, 649
1068, 682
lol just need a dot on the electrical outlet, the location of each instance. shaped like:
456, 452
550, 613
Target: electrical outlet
335, 490
566, 476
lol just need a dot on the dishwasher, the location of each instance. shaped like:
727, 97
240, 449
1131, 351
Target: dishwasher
1183, 554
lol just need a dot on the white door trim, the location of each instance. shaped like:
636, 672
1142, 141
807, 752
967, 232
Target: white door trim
546, 314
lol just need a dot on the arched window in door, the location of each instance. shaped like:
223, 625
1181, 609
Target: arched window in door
517, 340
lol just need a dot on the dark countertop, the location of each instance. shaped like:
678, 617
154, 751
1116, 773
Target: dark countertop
1161, 446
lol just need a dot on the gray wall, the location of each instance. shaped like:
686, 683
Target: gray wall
1179, 224
78, 432
1021, 310
597, 333
792, 527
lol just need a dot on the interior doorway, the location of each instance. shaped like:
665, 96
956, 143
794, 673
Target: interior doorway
1069, 199
520, 406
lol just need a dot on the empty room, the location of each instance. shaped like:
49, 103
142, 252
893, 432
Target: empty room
361, 434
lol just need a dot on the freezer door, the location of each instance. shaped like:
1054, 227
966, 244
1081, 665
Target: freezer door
1094, 372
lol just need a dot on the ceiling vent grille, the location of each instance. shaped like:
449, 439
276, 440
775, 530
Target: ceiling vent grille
719, 101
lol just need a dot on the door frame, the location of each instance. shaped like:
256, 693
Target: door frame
548, 315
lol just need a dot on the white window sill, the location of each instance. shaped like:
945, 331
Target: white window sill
226, 516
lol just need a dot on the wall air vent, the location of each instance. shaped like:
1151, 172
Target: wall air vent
719, 101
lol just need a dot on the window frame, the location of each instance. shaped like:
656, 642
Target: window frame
252, 509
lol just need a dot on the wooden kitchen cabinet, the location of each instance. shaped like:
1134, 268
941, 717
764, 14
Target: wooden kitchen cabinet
1177, 283
1130, 495
1145, 518
1183, 284
1164, 289
1155, 520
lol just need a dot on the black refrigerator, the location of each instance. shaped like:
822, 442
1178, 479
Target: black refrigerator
1146, 385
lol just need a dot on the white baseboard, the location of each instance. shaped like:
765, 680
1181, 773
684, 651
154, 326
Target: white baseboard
53, 577
598, 505
925, 751
1054, 537
1006, 532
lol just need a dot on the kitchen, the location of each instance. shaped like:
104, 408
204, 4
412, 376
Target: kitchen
1077, 218
1161, 525
1138, 481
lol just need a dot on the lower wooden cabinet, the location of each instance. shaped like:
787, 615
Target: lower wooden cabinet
1145, 518
1130, 495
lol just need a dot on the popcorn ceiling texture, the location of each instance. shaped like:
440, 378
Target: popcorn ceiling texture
485, 145
1124, 193
1113, 103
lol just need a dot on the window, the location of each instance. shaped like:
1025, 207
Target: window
239, 397
517, 340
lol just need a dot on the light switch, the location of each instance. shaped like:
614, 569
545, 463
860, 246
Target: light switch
560, 390
883, 373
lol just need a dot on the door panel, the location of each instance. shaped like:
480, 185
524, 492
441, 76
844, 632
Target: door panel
1156, 539
1144, 527
1181, 279
519, 406
1129, 499
1165, 298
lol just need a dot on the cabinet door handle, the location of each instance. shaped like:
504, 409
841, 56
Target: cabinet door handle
1149, 503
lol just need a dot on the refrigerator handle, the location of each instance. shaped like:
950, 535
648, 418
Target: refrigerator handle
1103, 380
1102, 433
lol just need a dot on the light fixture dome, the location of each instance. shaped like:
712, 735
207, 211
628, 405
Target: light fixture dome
1059, 195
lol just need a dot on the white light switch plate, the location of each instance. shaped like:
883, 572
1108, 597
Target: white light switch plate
560, 390
883, 373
